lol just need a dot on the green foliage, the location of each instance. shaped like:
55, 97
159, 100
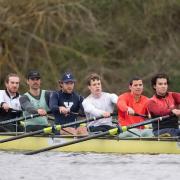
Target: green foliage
116, 38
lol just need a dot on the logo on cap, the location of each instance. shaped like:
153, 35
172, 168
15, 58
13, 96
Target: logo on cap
67, 77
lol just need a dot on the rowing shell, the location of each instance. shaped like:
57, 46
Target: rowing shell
101, 145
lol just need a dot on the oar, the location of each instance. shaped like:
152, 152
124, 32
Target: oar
141, 115
78, 114
110, 132
49, 130
19, 119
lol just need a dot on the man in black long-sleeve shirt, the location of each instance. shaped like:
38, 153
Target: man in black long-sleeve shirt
65, 105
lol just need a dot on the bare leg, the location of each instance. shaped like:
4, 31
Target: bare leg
68, 131
82, 131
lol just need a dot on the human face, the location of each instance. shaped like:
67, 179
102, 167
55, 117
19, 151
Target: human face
34, 83
95, 87
136, 87
67, 87
13, 85
161, 86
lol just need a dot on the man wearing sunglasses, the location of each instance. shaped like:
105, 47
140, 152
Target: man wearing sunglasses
35, 101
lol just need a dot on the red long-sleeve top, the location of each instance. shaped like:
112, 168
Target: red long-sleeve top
128, 100
161, 106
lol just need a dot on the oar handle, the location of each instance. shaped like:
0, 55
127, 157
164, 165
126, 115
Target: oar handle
140, 115
11, 110
15, 110
77, 114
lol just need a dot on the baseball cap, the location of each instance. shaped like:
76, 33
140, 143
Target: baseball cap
33, 74
67, 77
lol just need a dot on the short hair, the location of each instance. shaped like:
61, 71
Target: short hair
92, 77
10, 75
159, 76
135, 78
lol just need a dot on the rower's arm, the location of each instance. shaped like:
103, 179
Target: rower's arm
26, 105
54, 102
122, 103
114, 98
91, 109
81, 108
176, 97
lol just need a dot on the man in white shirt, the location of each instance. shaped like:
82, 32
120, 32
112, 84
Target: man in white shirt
99, 103
9, 101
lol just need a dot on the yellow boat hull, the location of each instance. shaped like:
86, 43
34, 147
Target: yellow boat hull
128, 146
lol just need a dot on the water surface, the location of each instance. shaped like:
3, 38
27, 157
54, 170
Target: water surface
88, 166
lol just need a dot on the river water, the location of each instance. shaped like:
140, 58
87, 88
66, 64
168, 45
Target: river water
89, 166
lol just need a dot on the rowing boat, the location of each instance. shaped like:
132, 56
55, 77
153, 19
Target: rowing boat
100, 145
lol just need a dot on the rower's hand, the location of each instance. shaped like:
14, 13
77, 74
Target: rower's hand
42, 112
64, 110
106, 114
130, 111
176, 112
6, 107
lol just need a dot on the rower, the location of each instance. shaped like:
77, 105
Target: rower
164, 103
133, 103
9, 102
66, 104
99, 103
35, 101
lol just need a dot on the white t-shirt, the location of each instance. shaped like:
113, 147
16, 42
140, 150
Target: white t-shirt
96, 106
13, 102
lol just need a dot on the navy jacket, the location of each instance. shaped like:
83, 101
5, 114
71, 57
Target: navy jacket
73, 101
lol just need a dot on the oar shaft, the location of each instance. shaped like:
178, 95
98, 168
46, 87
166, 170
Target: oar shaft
148, 122
50, 129
81, 121
20, 136
19, 119
68, 143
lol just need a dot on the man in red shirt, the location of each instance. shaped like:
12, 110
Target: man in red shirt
164, 103
132, 102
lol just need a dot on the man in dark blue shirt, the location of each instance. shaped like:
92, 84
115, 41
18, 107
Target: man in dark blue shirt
65, 105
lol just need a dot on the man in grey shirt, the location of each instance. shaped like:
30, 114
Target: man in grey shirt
99, 103
35, 101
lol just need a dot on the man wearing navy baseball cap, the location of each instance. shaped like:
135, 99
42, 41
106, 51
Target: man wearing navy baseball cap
67, 77
65, 105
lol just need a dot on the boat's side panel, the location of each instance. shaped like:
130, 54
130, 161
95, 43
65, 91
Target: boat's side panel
125, 146
95, 145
